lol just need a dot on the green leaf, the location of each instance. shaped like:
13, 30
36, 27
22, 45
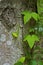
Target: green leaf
35, 37
27, 16
40, 62
35, 16
33, 62
15, 34
22, 59
31, 30
18, 63
31, 40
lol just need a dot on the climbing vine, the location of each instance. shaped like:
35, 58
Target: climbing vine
31, 39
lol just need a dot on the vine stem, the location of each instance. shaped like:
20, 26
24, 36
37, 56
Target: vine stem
31, 52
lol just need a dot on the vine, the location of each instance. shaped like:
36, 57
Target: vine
31, 39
